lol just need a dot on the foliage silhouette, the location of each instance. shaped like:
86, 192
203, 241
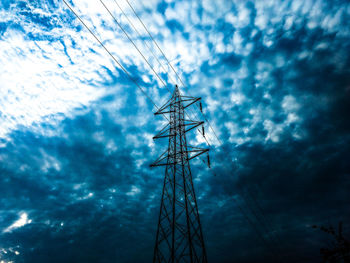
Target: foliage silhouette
339, 249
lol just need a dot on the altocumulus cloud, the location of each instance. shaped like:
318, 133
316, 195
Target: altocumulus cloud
76, 134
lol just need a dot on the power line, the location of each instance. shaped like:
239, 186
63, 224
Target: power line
261, 220
144, 26
141, 52
264, 216
139, 34
120, 65
127, 35
156, 57
152, 38
264, 224
255, 228
124, 70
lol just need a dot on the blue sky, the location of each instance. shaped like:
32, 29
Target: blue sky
76, 133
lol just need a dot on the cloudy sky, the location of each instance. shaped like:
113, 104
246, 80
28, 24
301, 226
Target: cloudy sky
76, 132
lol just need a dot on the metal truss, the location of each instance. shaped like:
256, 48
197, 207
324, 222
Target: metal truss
179, 234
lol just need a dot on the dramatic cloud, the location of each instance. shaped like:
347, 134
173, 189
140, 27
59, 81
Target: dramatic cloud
76, 132
23, 220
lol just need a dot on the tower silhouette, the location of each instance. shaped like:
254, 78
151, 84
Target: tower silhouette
179, 234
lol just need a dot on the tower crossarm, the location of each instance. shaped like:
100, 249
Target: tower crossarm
185, 102
188, 124
192, 124
166, 107
165, 132
194, 152
162, 160
188, 101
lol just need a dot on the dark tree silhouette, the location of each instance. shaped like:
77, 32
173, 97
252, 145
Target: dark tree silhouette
339, 249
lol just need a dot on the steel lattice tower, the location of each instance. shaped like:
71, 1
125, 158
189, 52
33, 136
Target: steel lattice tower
179, 234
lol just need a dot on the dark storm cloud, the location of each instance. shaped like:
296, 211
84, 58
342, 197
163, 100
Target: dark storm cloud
299, 181
283, 117
86, 201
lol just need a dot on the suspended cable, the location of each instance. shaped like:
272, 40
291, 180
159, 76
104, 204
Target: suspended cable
144, 26
264, 224
155, 56
169, 63
266, 218
120, 65
139, 34
255, 228
260, 220
127, 35
121, 27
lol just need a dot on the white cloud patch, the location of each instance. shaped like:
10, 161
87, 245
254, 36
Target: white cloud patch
45, 81
133, 191
22, 221
38, 82
289, 103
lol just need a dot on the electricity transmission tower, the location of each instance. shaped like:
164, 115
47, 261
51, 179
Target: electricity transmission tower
179, 234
